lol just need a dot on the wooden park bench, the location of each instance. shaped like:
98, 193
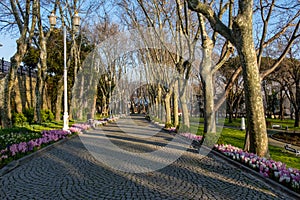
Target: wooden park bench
289, 148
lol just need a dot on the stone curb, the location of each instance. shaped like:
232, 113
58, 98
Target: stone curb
16, 163
269, 181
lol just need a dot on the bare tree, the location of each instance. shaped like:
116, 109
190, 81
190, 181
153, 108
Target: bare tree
41, 43
24, 17
291, 82
240, 35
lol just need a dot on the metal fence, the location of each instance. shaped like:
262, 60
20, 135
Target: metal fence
22, 70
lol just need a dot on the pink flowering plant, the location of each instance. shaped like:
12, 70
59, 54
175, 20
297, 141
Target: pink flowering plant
192, 136
79, 128
17, 145
17, 150
277, 171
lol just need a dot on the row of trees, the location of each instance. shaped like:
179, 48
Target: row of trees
188, 38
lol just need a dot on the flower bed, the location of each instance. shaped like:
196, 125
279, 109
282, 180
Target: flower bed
17, 150
192, 136
17, 146
277, 171
79, 128
94, 123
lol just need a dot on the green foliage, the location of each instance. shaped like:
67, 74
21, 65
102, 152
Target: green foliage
47, 115
17, 137
29, 114
19, 119
31, 58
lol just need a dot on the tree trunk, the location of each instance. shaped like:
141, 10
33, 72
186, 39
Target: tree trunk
104, 105
168, 108
159, 103
15, 62
38, 96
46, 104
40, 79
256, 129
9, 82
209, 113
74, 55
58, 103
297, 108
281, 105
208, 86
93, 108
175, 104
230, 112
22, 81
241, 35
185, 118
237, 106
31, 88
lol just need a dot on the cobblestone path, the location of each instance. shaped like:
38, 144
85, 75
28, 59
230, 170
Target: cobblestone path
69, 171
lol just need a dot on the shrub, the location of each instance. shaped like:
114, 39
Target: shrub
19, 119
47, 115
29, 114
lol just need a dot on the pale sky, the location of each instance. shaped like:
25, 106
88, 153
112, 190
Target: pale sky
9, 47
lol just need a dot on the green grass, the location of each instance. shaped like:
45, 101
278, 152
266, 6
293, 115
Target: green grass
288, 158
25, 133
233, 137
44, 126
236, 122
285, 123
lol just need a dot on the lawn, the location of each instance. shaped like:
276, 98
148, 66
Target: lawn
236, 122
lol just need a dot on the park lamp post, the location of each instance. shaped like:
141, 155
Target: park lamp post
76, 22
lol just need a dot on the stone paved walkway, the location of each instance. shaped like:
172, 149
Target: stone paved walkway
69, 171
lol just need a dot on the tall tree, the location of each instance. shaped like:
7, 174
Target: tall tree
24, 16
241, 36
42, 64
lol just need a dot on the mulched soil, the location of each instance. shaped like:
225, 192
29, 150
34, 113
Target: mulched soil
291, 138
